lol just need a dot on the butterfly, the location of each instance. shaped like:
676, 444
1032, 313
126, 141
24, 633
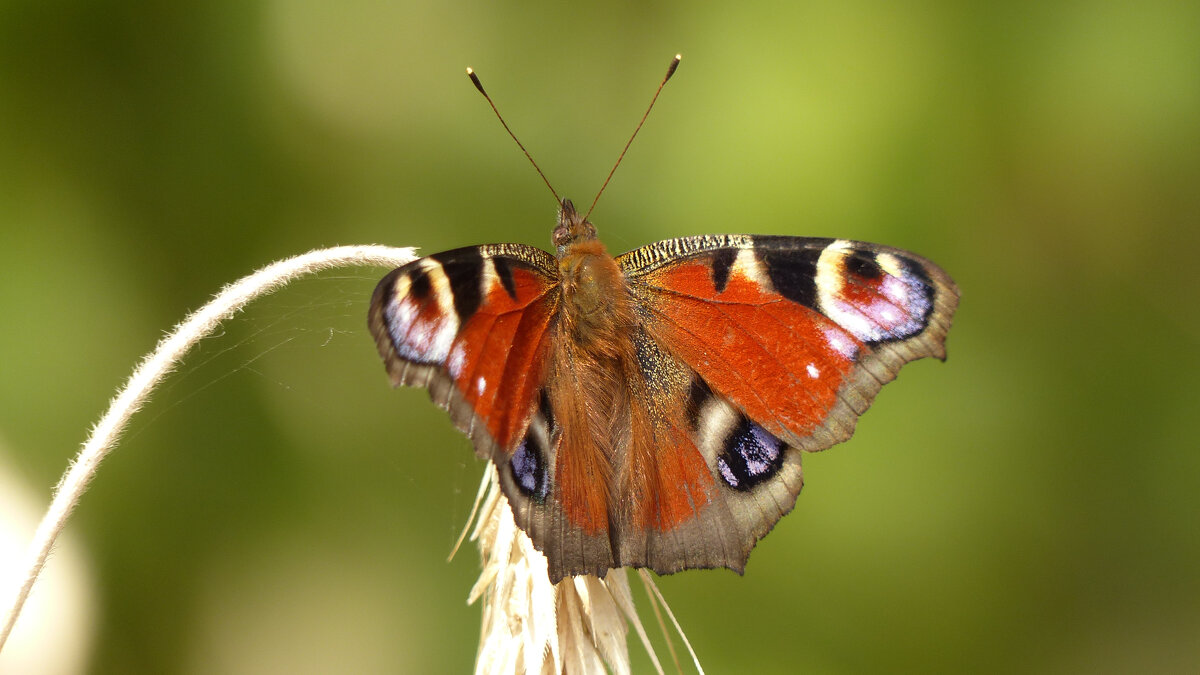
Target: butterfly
651, 410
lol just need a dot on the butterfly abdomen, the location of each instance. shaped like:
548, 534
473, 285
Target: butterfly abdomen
588, 387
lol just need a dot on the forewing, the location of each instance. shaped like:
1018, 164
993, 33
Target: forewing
473, 325
798, 333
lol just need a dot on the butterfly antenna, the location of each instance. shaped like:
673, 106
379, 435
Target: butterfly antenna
479, 85
670, 71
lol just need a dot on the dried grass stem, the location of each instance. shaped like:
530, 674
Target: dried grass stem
151, 370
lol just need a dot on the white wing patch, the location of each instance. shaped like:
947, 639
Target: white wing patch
423, 329
896, 310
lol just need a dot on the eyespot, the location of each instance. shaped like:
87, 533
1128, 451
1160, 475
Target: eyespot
528, 464
751, 456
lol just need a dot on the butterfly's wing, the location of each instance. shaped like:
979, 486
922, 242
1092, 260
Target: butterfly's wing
789, 339
475, 326
478, 327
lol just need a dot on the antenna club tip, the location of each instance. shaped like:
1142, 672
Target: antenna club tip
475, 80
671, 68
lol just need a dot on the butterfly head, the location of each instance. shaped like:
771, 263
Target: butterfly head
572, 228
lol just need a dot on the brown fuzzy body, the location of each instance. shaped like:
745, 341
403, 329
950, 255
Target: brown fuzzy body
614, 426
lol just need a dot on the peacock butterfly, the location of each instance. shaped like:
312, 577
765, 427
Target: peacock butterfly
651, 410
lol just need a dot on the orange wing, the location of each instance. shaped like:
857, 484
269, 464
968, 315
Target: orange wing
787, 341
798, 333
475, 326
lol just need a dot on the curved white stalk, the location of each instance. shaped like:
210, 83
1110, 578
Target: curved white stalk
151, 371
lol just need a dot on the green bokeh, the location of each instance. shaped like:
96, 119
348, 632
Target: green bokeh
1032, 505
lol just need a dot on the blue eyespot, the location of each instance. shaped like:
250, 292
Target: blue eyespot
529, 469
751, 456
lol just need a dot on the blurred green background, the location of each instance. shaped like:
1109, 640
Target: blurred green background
1031, 505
